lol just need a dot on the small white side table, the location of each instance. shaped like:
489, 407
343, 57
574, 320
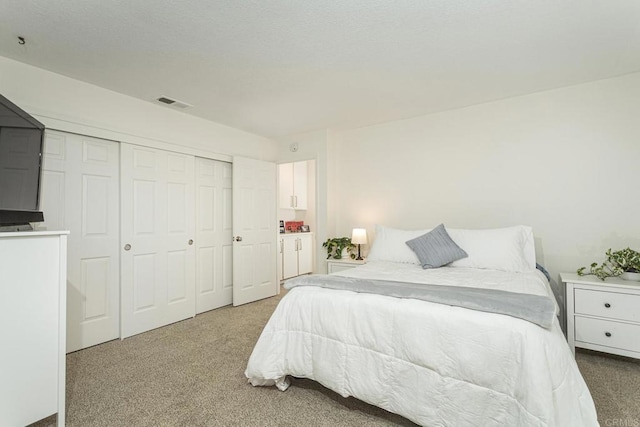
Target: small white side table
603, 315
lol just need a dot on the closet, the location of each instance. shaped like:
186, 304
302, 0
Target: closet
150, 234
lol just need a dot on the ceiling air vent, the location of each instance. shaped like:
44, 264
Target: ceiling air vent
174, 102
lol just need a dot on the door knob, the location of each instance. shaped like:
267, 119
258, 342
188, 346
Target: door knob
238, 239
127, 247
190, 242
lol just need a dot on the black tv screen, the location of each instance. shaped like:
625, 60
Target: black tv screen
21, 139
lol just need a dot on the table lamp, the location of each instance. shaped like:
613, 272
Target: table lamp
359, 237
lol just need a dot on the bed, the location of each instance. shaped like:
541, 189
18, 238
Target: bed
436, 364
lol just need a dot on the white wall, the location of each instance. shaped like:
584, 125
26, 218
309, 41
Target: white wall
70, 105
566, 162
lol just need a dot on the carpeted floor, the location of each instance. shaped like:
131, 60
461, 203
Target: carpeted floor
192, 374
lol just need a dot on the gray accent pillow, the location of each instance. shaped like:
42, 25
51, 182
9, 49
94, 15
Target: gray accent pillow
436, 248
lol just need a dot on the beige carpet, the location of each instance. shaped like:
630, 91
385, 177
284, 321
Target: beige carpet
191, 374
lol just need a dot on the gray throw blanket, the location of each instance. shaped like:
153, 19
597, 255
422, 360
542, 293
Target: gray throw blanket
533, 308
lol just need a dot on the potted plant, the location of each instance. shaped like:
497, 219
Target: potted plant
337, 245
623, 262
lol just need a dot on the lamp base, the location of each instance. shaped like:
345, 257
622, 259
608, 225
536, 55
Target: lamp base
359, 256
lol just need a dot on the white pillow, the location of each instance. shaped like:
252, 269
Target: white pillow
390, 245
507, 249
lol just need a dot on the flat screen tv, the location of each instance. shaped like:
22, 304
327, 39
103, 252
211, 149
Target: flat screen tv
21, 142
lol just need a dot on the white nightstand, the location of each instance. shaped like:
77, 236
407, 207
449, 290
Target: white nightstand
603, 316
335, 265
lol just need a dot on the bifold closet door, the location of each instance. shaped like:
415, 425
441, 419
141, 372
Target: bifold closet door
80, 193
214, 244
157, 238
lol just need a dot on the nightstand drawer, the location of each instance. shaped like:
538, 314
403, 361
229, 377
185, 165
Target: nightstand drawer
334, 268
607, 333
337, 265
611, 305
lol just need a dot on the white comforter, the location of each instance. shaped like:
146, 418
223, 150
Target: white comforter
433, 364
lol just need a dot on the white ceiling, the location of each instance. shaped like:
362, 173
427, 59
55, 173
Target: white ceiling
277, 67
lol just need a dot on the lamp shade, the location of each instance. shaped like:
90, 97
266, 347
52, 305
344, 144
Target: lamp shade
359, 236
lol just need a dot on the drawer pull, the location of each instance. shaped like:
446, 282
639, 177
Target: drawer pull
608, 334
606, 304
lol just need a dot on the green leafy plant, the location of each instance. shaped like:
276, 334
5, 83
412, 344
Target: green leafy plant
336, 245
616, 263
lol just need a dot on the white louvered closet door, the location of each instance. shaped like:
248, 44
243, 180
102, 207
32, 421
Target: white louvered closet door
157, 238
214, 247
80, 193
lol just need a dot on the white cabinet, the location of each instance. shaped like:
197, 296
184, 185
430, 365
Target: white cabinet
288, 256
293, 185
305, 253
296, 255
603, 315
33, 316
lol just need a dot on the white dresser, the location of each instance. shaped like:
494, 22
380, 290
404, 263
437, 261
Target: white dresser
33, 292
603, 316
